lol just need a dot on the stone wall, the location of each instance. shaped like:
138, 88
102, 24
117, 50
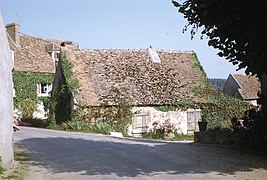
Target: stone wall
216, 137
6, 99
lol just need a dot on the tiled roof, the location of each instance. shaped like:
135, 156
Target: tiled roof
249, 85
145, 82
31, 56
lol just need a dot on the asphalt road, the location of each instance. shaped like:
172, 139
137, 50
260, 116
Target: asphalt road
67, 155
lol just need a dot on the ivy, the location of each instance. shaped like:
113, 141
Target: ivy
25, 85
61, 100
118, 116
217, 108
67, 72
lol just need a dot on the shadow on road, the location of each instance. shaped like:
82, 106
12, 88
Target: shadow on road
129, 158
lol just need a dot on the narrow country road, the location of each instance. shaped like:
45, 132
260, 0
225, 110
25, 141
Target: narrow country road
67, 155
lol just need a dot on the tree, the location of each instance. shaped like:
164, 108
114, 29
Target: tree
236, 28
217, 84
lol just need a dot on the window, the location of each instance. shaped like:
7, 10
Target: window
44, 89
153, 55
139, 121
193, 116
55, 55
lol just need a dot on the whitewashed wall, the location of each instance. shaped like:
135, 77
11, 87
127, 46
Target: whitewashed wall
6, 99
178, 118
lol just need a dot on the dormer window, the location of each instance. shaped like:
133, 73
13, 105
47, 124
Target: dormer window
43, 89
154, 55
55, 55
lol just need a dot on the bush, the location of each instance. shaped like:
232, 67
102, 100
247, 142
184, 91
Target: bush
27, 107
1, 168
41, 123
164, 130
83, 126
102, 128
75, 125
182, 137
252, 130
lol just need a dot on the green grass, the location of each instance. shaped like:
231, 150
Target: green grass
177, 137
20, 167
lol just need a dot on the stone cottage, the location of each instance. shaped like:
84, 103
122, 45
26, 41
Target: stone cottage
242, 87
35, 61
150, 78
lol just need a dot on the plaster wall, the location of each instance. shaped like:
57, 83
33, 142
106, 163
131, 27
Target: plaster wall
177, 118
6, 99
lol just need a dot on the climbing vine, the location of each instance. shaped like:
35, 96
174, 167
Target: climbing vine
118, 115
61, 100
25, 85
217, 108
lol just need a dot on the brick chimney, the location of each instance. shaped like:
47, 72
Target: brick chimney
13, 31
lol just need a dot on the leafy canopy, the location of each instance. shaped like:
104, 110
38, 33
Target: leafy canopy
236, 28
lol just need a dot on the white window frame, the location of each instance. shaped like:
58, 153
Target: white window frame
14, 91
44, 89
55, 55
140, 121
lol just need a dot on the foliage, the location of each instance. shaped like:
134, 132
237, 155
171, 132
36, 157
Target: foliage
40, 123
123, 114
241, 39
62, 96
216, 107
119, 115
182, 137
251, 130
197, 65
102, 128
220, 109
158, 133
27, 107
217, 84
25, 85
83, 126
237, 30
75, 125
67, 72
1, 167
161, 130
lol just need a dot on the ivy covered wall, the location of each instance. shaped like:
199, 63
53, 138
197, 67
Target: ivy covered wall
25, 85
61, 104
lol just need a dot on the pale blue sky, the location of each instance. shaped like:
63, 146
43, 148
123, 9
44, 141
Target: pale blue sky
118, 24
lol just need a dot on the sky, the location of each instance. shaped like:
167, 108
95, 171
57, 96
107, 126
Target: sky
117, 24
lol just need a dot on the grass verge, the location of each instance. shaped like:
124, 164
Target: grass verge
20, 167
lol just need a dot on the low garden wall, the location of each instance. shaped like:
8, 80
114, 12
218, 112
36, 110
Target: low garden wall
216, 137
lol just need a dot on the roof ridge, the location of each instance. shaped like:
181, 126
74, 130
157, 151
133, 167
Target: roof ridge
134, 50
42, 38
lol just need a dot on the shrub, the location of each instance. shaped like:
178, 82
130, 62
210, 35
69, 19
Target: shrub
27, 107
41, 123
159, 130
83, 126
75, 125
1, 166
102, 128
